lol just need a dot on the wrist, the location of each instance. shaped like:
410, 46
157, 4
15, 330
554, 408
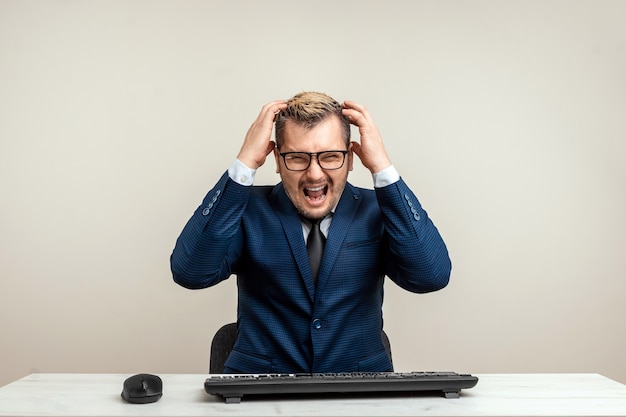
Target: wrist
247, 161
378, 166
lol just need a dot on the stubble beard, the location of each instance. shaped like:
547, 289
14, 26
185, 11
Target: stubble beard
333, 194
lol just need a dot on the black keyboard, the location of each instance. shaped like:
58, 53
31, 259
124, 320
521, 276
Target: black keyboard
233, 387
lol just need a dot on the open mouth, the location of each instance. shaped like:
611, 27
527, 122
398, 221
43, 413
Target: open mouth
316, 194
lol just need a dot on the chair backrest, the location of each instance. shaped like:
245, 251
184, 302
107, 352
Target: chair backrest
224, 340
387, 344
221, 345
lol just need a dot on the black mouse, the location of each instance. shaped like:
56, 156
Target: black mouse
142, 389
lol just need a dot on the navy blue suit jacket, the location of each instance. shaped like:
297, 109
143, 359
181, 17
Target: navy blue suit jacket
286, 322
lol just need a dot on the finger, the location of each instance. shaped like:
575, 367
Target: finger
350, 104
353, 105
269, 111
355, 117
272, 105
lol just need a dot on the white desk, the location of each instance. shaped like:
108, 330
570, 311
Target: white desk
184, 395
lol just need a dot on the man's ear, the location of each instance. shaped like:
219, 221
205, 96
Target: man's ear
277, 159
350, 157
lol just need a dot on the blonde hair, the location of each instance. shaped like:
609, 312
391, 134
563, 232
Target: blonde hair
308, 109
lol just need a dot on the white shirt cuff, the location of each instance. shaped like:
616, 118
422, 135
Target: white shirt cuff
241, 173
385, 177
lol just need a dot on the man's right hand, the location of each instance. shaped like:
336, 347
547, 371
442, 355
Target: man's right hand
258, 144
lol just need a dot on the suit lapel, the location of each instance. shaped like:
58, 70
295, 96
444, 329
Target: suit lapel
339, 227
292, 227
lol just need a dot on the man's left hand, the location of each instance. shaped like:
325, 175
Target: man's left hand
371, 149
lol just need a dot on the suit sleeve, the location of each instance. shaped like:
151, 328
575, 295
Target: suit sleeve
210, 243
417, 258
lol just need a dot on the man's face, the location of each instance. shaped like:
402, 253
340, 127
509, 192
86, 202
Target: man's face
315, 191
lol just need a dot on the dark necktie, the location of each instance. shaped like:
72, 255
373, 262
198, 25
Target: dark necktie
315, 247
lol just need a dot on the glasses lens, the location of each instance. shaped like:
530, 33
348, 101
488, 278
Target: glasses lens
331, 159
297, 161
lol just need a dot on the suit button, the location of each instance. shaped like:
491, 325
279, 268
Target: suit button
317, 324
206, 211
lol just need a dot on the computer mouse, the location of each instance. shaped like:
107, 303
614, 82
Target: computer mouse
142, 389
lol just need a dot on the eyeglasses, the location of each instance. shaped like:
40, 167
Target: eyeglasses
300, 161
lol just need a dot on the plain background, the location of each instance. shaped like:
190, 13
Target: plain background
507, 118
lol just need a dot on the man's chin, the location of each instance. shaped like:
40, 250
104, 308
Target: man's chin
316, 212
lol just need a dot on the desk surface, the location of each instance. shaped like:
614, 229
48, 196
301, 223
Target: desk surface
184, 395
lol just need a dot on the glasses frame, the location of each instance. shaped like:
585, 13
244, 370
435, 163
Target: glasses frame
311, 155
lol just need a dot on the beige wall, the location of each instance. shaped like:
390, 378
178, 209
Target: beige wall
506, 117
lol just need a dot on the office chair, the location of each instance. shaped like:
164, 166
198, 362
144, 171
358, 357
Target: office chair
224, 340
221, 345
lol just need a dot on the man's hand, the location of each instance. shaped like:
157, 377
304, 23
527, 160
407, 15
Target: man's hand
258, 144
371, 150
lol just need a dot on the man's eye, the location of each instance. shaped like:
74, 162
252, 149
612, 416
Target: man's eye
297, 158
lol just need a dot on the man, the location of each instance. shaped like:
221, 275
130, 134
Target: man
293, 315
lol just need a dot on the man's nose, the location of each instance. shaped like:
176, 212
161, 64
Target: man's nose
315, 169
